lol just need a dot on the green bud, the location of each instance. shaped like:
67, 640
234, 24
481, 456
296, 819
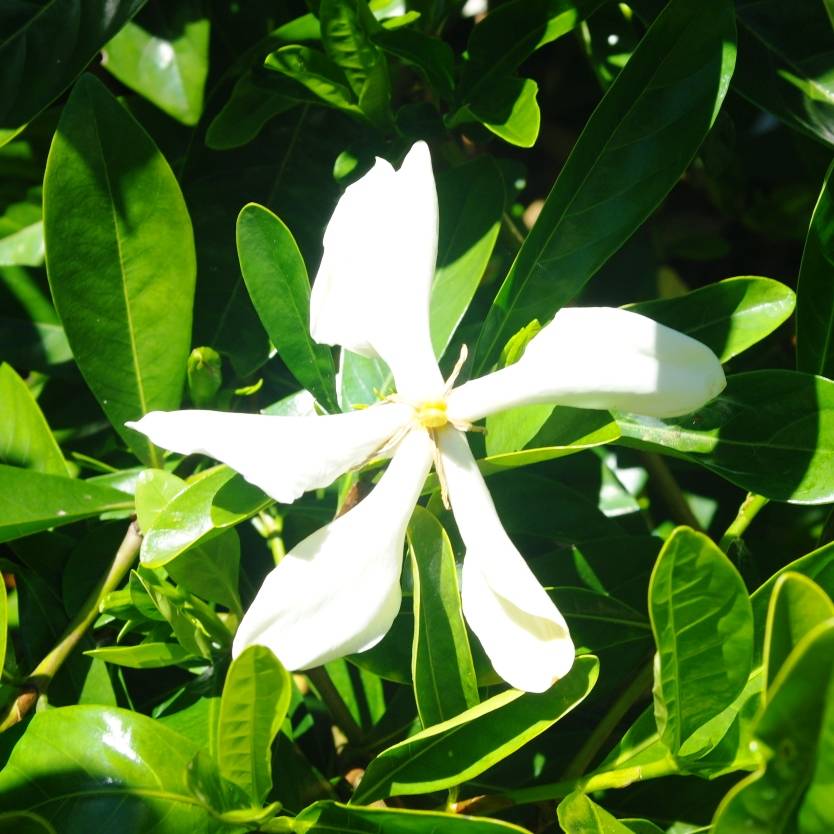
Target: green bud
514, 349
204, 375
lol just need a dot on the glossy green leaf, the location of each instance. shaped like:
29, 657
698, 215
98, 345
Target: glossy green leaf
120, 258
579, 815
432, 57
729, 316
331, 817
163, 56
471, 201
442, 668
255, 699
143, 655
797, 606
632, 151
41, 55
34, 501
77, 766
216, 500
317, 73
154, 489
461, 748
277, 281
703, 629
346, 27
794, 734
510, 110
770, 432
815, 290
25, 438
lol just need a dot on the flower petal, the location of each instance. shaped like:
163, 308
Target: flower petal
339, 590
284, 456
520, 628
371, 293
600, 357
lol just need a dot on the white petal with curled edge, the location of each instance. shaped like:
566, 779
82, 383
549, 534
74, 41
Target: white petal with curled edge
284, 456
371, 293
600, 357
339, 590
520, 628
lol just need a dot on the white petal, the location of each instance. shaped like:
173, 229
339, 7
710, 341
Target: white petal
520, 628
600, 357
371, 293
284, 456
339, 590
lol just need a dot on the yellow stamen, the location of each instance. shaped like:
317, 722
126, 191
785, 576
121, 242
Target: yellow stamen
432, 415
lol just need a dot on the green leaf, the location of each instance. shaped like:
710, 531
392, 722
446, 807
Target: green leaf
794, 735
34, 501
120, 258
24, 822
346, 27
632, 151
331, 817
703, 628
769, 432
442, 668
154, 489
25, 437
255, 700
510, 110
471, 201
797, 606
216, 500
144, 655
579, 815
815, 290
23, 247
317, 73
77, 766
276, 278
432, 57
448, 754
163, 56
4, 624
729, 316
41, 54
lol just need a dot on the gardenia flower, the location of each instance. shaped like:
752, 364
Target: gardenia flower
338, 591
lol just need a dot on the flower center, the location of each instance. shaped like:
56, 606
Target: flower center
432, 414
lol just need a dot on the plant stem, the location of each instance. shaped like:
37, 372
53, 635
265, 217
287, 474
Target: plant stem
338, 708
37, 683
595, 741
749, 509
672, 495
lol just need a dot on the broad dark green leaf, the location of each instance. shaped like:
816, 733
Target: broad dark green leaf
143, 655
579, 815
461, 748
276, 278
218, 499
770, 432
815, 290
255, 699
45, 46
24, 822
442, 670
346, 27
163, 56
471, 200
34, 501
432, 57
703, 629
632, 151
331, 817
728, 316
791, 791
25, 438
120, 258
77, 766
797, 606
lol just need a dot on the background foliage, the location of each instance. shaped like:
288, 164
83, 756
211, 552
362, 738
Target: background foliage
166, 172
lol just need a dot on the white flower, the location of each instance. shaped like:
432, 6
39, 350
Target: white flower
339, 590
